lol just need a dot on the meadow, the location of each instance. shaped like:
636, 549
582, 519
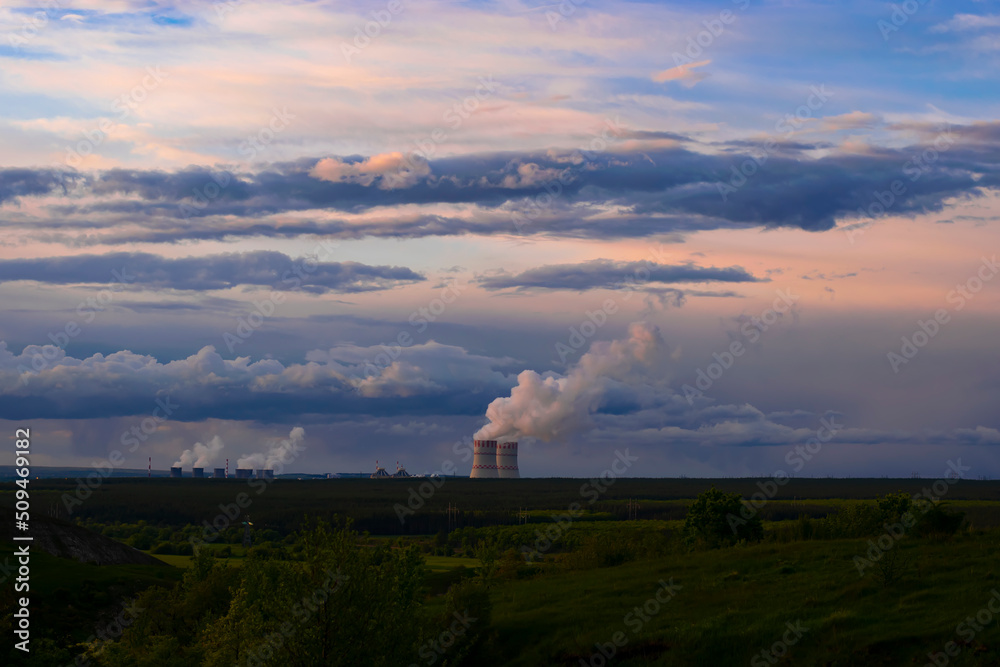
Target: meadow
617, 581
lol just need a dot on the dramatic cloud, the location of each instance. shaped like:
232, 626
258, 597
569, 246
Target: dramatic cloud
606, 274
213, 272
427, 378
631, 192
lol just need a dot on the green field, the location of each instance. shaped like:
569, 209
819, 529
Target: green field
589, 586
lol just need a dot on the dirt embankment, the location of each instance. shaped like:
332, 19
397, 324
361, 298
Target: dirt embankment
65, 540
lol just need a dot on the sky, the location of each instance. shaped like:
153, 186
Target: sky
733, 238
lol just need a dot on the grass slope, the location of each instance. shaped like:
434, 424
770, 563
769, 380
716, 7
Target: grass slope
736, 602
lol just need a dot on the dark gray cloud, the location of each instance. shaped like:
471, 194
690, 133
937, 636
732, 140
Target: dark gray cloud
646, 190
15, 183
607, 274
212, 272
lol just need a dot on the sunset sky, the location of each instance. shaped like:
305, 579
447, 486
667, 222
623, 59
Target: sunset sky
373, 220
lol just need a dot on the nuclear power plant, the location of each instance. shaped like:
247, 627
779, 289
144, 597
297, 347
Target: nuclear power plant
220, 473
494, 461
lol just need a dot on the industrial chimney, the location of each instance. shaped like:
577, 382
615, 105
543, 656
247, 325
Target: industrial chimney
484, 459
507, 460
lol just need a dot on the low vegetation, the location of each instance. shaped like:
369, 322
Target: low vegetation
876, 581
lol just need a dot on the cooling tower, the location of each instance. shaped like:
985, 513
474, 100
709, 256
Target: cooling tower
219, 473
484, 460
259, 473
243, 473
175, 472
198, 472
268, 474
507, 460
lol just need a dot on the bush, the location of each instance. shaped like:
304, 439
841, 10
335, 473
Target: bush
937, 521
165, 548
718, 518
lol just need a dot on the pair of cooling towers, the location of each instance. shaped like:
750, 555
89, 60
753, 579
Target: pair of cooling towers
491, 460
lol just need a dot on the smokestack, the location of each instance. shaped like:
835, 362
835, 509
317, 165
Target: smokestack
227, 468
175, 471
244, 473
507, 461
198, 473
484, 460
149, 472
219, 473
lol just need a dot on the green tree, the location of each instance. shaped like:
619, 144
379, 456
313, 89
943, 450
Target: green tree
716, 518
332, 608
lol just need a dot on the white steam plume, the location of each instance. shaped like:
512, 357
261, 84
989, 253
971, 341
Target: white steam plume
278, 453
201, 456
551, 406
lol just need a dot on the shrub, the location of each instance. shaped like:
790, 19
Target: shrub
718, 518
165, 548
937, 521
